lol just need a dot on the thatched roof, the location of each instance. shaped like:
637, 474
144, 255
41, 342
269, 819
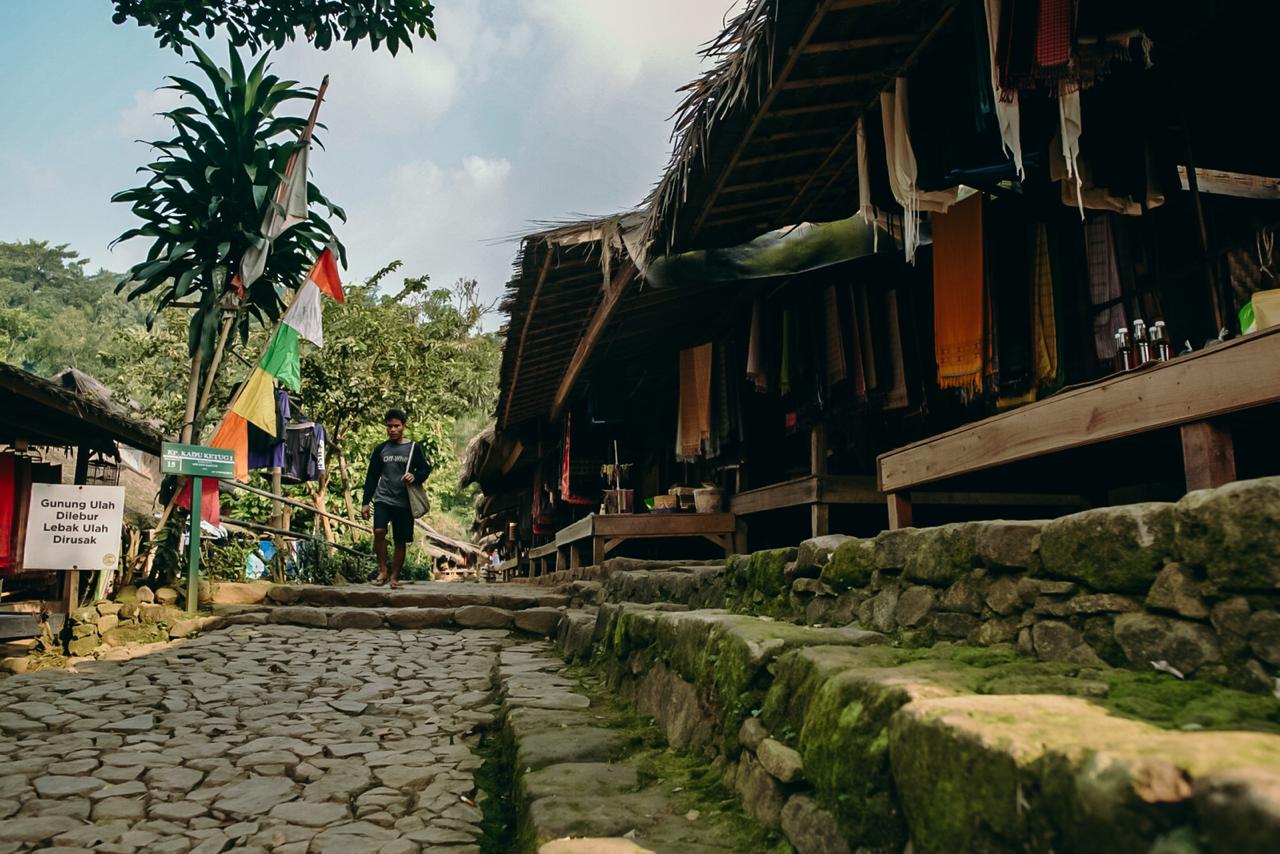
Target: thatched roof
474, 454
558, 280
765, 138
68, 412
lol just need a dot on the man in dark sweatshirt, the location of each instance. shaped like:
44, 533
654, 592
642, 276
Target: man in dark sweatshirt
393, 465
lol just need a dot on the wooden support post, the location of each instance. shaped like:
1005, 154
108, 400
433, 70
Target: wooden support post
820, 519
899, 510
740, 536
1208, 455
597, 551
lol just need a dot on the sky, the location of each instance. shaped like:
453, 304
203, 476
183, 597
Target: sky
523, 111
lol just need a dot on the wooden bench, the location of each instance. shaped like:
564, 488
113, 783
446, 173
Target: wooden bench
590, 540
1188, 392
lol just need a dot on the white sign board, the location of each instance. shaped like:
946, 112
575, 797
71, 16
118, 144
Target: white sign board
74, 527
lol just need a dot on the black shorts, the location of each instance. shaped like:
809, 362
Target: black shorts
399, 518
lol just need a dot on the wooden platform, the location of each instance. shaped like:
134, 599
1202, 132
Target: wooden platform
592, 539
1188, 393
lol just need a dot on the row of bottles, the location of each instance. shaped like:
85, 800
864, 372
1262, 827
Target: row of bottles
1142, 347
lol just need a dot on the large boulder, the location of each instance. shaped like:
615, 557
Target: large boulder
1114, 549
1232, 532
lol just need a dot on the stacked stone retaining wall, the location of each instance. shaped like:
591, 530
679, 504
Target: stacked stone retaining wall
1191, 587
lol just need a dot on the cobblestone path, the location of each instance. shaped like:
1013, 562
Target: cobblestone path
271, 738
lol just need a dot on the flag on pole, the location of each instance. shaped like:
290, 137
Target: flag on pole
288, 206
255, 402
287, 209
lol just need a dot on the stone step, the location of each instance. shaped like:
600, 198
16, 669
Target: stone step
846, 742
542, 620
509, 597
581, 771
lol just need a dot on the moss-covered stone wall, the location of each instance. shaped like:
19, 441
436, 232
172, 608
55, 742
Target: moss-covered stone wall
1191, 587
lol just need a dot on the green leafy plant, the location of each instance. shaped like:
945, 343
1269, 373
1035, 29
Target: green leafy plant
258, 23
204, 201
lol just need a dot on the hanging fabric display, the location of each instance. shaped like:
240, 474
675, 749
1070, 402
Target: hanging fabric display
960, 339
1104, 285
901, 163
693, 426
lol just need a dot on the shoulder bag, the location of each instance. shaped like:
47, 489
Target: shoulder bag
419, 503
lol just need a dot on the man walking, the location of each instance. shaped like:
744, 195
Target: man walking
393, 465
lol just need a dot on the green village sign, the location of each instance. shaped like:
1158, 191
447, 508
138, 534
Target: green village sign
197, 462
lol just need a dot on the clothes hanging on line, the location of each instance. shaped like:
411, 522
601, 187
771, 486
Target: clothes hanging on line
897, 396
900, 162
756, 371
961, 341
1008, 267
837, 366
266, 450
304, 452
1105, 292
578, 473
693, 425
1047, 360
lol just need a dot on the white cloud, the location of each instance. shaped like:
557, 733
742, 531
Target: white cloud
140, 120
612, 42
439, 221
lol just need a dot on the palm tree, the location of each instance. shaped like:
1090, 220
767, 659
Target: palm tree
203, 206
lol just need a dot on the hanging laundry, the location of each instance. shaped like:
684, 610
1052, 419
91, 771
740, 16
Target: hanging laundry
1007, 111
837, 367
1008, 267
1104, 285
266, 449
576, 468
897, 397
210, 503
865, 208
856, 368
304, 452
1044, 312
959, 296
693, 425
756, 372
867, 341
901, 164
788, 340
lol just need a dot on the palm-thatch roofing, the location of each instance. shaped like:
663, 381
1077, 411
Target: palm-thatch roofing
765, 138
558, 281
69, 412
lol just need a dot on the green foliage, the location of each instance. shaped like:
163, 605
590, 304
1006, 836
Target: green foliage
224, 560
422, 349
207, 192
258, 23
53, 312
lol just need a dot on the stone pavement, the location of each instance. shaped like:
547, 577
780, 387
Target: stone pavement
266, 738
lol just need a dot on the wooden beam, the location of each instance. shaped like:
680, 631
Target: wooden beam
1241, 374
765, 104
781, 155
791, 493
846, 5
751, 205
591, 337
812, 108
853, 125
832, 80
524, 331
1208, 455
860, 44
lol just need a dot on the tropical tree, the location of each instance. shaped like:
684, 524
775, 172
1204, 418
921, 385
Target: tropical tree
260, 23
203, 206
423, 349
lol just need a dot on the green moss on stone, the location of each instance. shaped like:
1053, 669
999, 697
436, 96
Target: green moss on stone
766, 570
1111, 549
1174, 703
850, 566
940, 556
135, 633
1231, 531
